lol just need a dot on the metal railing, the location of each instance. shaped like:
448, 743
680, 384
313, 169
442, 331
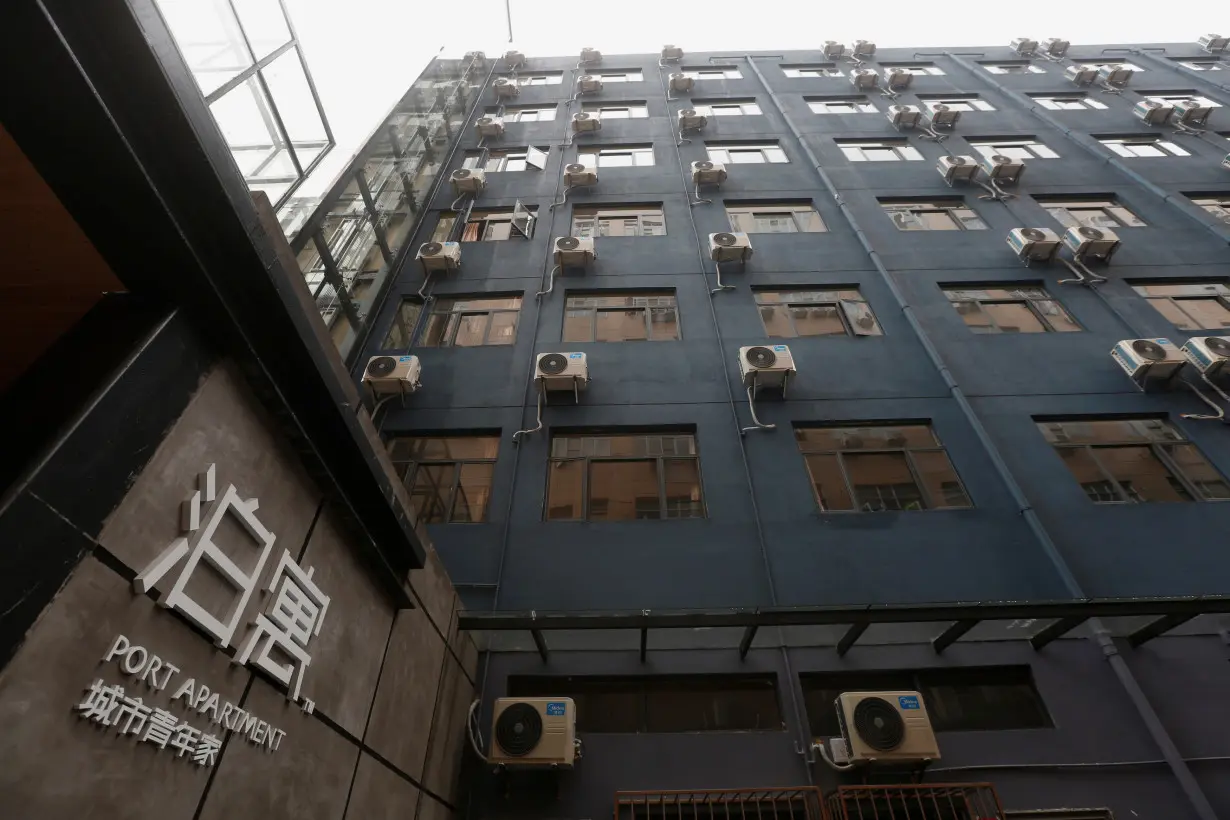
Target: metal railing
801, 803
916, 801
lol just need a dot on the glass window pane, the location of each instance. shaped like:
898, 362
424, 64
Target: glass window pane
1056, 316
937, 475
578, 326
776, 320
471, 330
882, 481
664, 324
828, 483
623, 491
1089, 475
1145, 150
288, 86
433, 484
401, 333
1208, 482
1209, 314
621, 326
1014, 317
909, 152
683, 497
739, 157
564, 488
817, 320
974, 316
774, 223
859, 315
1141, 474
473, 493
503, 329
809, 221
606, 160
1174, 313
439, 329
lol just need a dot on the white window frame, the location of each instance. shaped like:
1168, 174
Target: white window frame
1074, 207
1117, 64
1028, 149
1001, 68
1211, 64
968, 103
642, 155
946, 206
730, 108
916, 69
901, 149
1122, 146
771, 153
1171, 99
636, 110
1069, 102
1218, 205
796, 211
726, 72
535, 159
804, 71
546, 78
517, 114
853, 104
632, 75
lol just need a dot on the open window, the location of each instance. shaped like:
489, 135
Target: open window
523, 220
536, 158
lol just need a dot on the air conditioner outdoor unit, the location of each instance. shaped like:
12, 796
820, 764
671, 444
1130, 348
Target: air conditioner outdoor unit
392, 374
576, 174
707, 172
904, 116
953, 168
1153, 360
1192, 112
729, 247
1003, 169
1024, 46
863, 49
1082, 74
691, 120
468, 180
591, 55
1100, 243
1034, 244
1115, 75
942, 115
1208, 354
445, 256
588, 84
1214, 43
1055, 46
562, 371
514, 58
898, 79
864, 78
681, 82
834, 50
505, 87
586, 121
672, 53
489, 125
766, 365
1152, 112
886, 727
574, 251
533, 732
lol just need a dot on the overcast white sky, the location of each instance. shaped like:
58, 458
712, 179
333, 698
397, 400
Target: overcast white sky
363, 54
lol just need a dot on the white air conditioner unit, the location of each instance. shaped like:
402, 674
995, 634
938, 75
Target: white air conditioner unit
1100, 243
707, 172
576, 174
574, 251
942, 115
904, 116
533, 732
1034, 244
1003, 169
766, 365
1024, 47
445, 256
468, 180
1116, 76
588, 84
1153, 112
864, 78
691, 120
953, 168
1055, 47
591, 55
1192, 112
863, 50
562, 371
886, 727
1214, 43
1148, 360
897, 79
1208, 354
505, 87
514, 58
672, 53
392, 374
489, 125
586, 121
729, 247
681, 82
1082, 74
834, 50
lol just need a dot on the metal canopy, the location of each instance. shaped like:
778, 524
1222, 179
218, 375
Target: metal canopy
1165, 614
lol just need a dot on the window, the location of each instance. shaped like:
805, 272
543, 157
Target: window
621, 317
1021, 67
932, 215
746, 153
1204, 65
1131, 461
624, 156
958, 699
1077, 211
727, 108
527, 113
624, 477
879, 468
957, 102
890, 150
1190, 305
1017, 147
1217, 204
631, 76
663, 703
917, 69
449, 478
507, 159
1068, 102
774, 217
1147, 145
494, 225
841, 105
401, 333
1172, 97
465, 321
1014, 309
619, 111
818, 70
788, 314
1117, 64
546, 78
715, 72
618, 220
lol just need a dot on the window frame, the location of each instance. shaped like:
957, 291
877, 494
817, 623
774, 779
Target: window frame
404, 467
728, 149
535, 159
720, 107
626, 75
636, 152
793, 209
1172, 97
949, 291
990, 146
1029, 68
916, 69
844, 314
1068, 102
451, 329
701, 73
647, 311
1074, 204
407, 329
513, 114
965, 103
547, 77
1204, 64
858, 103
637, 109
487, 217
1120, 145
1213, 203
803, 71
640, 212
1176, 300
860, 145
945, 205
